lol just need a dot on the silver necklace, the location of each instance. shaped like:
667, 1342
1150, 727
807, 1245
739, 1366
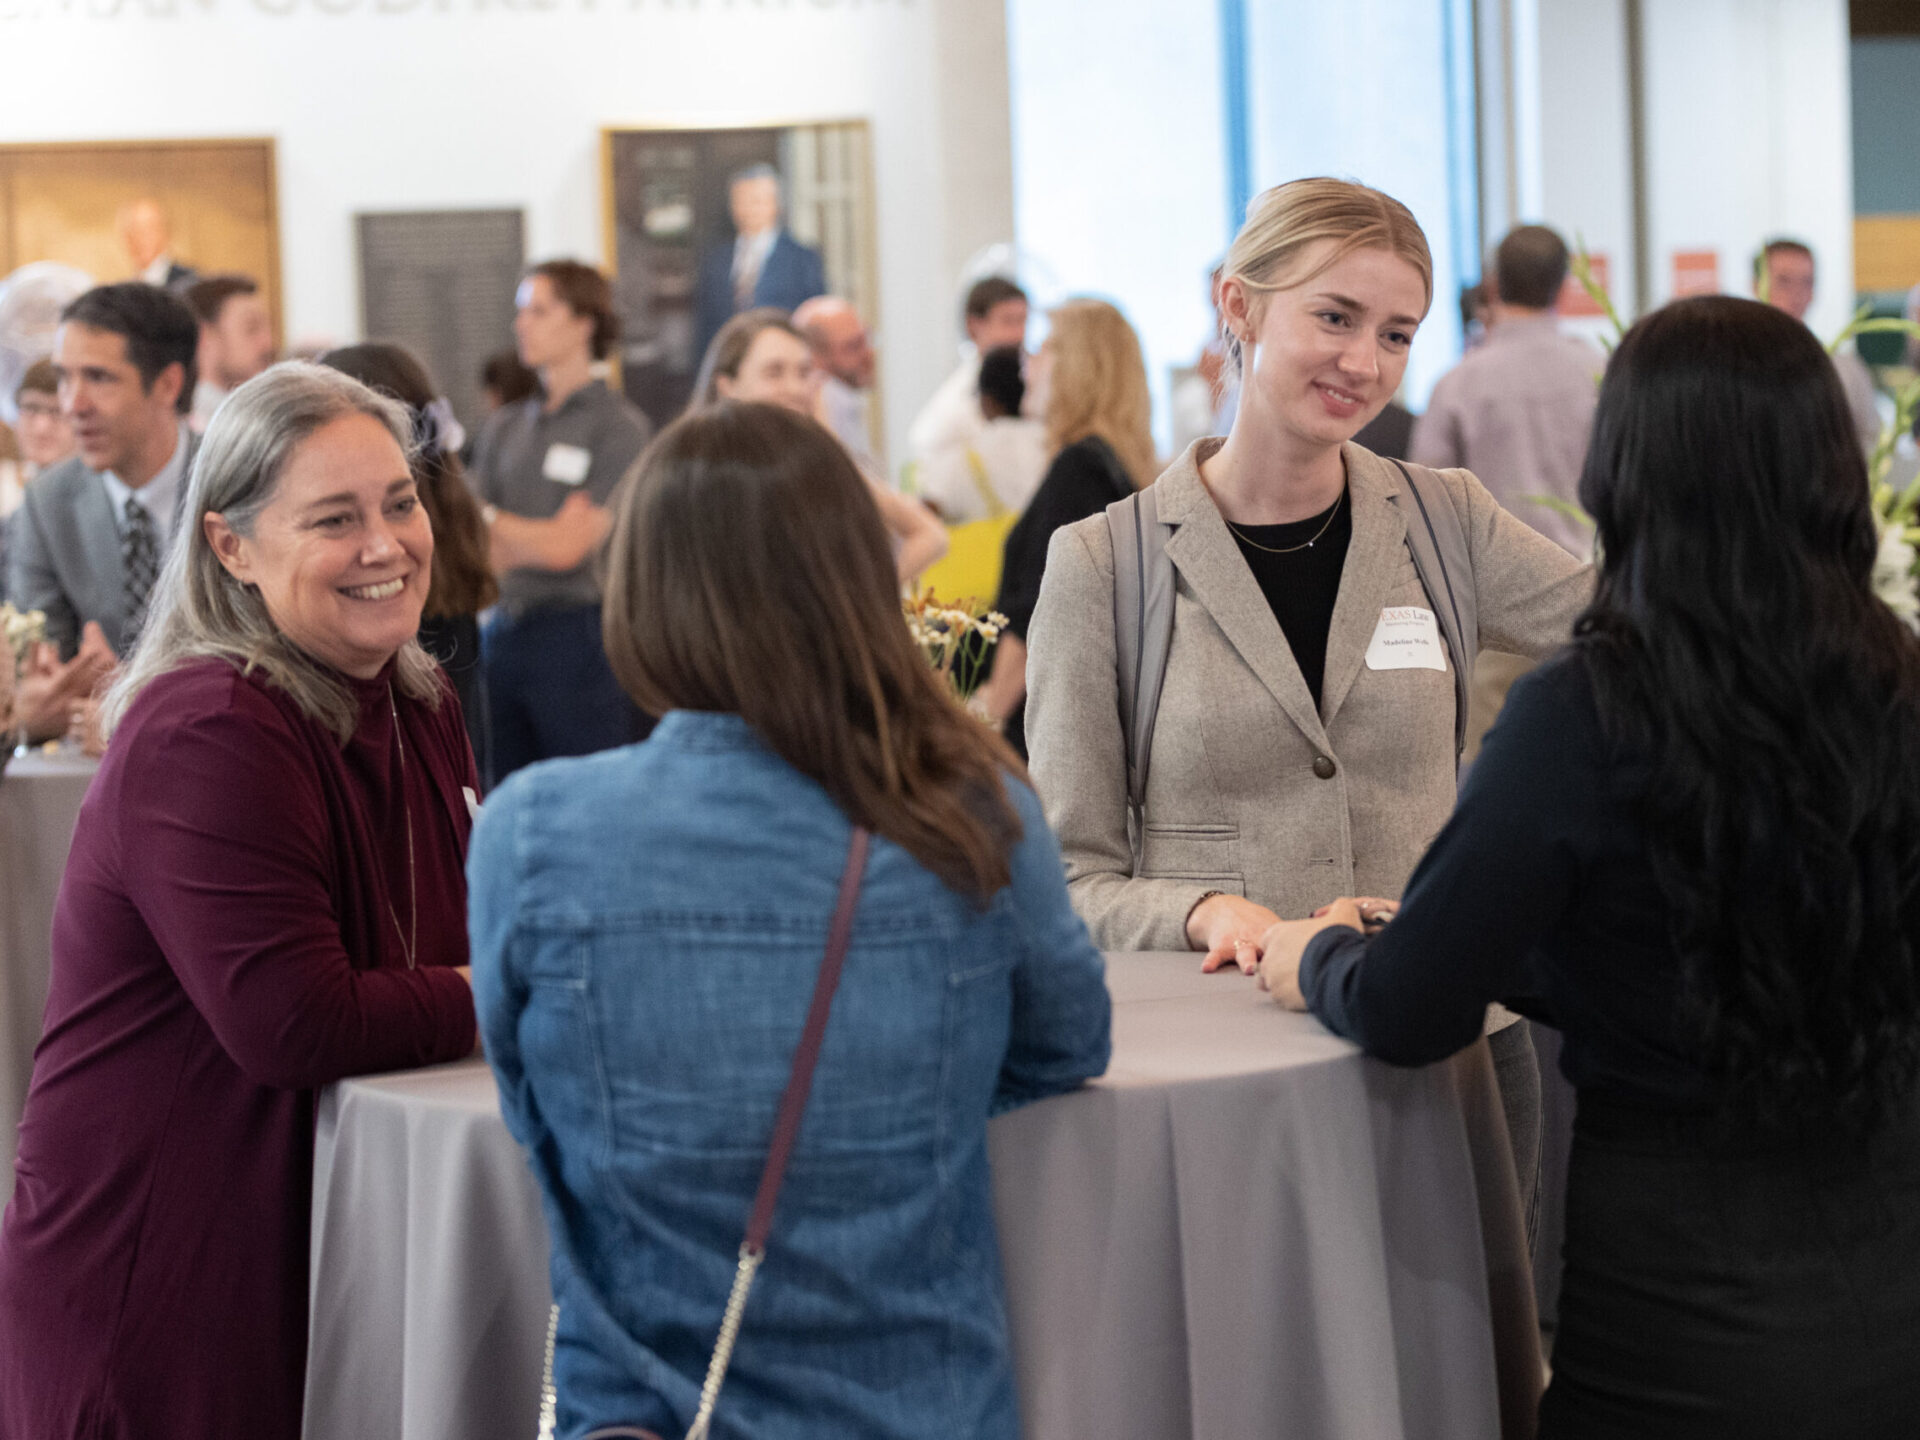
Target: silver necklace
1291, 549
409, 937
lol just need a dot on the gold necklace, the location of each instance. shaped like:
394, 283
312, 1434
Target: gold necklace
1291, 549
408, 942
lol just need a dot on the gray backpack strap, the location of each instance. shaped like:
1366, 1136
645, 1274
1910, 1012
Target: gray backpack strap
1445, 564
1142, 637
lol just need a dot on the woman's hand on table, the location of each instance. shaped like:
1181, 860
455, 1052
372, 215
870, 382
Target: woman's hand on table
1228, 928
1374, 912
1285, 942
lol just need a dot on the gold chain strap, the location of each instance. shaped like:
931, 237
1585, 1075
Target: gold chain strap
723, 1347
549, 1396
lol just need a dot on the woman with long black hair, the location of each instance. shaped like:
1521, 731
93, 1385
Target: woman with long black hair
1694, 840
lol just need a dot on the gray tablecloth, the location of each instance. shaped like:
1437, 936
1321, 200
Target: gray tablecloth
40, 799
1245, 1230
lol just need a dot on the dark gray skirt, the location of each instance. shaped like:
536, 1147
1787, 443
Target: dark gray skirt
1737, 1284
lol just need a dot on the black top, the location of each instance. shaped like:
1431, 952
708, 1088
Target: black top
1537, 892
1084, 478
1302, 585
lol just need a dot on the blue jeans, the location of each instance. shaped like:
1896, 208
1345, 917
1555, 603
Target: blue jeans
550, 690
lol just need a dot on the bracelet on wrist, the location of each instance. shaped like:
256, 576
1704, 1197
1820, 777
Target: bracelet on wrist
1195, 906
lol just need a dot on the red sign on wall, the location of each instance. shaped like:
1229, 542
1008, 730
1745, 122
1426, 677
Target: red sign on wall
1696, 272
1574, 300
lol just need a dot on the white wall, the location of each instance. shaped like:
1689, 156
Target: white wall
1748, 135
1585, 180
1119, 172
1751, 136
426, 104
1358, 90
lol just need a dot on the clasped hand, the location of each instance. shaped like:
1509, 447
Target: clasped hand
53, 695
1235, 931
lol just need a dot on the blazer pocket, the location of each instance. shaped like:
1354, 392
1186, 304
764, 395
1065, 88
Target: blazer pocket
1227, 882
1177, 850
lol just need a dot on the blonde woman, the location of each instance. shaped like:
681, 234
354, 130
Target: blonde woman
1091, 389
1305, 744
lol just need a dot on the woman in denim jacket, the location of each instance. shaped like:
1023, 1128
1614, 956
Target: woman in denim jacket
647, 927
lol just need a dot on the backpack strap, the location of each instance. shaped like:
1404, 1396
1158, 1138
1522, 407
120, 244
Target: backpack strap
1142, 638
1440, 552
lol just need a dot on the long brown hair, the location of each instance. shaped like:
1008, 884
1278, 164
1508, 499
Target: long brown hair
463, 582
748, 572
1099, 386
727, 351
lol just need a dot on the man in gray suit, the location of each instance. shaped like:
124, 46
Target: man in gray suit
91, 532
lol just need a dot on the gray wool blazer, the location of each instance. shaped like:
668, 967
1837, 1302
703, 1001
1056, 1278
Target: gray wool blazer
64, 553
1234, 801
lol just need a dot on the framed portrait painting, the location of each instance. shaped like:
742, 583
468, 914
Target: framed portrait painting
704, 223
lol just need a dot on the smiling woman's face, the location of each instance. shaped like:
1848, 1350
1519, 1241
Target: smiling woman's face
343, 554
776, 370
1329, 354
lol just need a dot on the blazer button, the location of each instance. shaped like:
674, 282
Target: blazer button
1323, 766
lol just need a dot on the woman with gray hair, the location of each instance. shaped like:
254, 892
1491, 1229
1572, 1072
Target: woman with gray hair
265, 893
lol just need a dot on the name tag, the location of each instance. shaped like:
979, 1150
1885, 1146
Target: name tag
567, 464
1407, 638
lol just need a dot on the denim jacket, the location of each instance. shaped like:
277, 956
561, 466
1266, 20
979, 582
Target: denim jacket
647, 927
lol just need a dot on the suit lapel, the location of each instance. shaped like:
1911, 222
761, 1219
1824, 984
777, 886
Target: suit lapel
1204, 553
1374, 558
100, 548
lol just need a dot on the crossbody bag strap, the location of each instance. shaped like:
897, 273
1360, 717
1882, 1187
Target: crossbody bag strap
786, 1127
1438, 536
1143, 595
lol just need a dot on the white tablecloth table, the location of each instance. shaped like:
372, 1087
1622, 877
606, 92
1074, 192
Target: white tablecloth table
40, 799
1245, 1230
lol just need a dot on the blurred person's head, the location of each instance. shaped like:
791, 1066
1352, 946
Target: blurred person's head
505, 381
1783, 272
1529, 267
45, 436
1473, 306
1322, 292
841, 345
236, 332
758, 356
1741, 658
1095, 384
995, 313
124, 357
749, 573
1003, 381
753, 199
564, 314
304, 553
463, 582
145, 232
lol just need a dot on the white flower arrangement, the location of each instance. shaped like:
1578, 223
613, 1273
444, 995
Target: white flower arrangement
23, 628
955, 638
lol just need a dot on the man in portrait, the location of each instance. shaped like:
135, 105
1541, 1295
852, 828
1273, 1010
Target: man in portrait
146, 235
763, 265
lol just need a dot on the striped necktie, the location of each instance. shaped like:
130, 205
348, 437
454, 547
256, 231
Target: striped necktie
140, 562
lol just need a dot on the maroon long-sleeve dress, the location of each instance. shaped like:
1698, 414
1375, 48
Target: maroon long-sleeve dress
229, 937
